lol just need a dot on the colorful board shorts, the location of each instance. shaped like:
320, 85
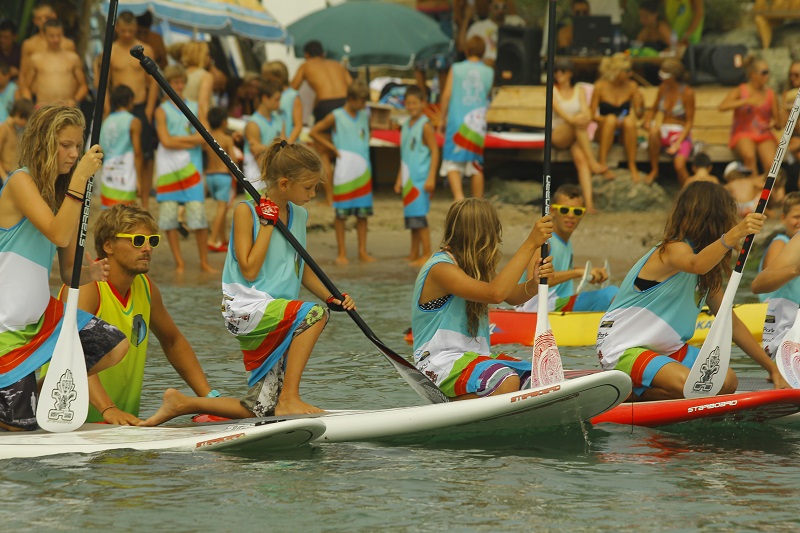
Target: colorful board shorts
482, 374
219, 186
262, 397
642, 364
358, 212
18, 400
195, 215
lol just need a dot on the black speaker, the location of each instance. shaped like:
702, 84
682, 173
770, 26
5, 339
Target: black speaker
518, 56
716, 63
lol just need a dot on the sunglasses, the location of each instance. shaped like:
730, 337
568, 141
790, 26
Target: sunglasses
138, 239
567, 210
765, 72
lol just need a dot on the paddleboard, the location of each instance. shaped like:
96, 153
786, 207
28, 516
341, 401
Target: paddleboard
91, 438
518, 413
579, 328
754, 401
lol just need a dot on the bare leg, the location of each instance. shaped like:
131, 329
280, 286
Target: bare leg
654, 150
175, 248
177, 404
146, 182
341, 255
584, 175
680, 168
218, 224
477, 184
766, 153
563, 136
607, 127
582, 138
361, 233
456, 185
202, 249
327, 168
629, 138
510, 384
111, 358
746, 150
289, 402
415, 245
424, 235
669, 381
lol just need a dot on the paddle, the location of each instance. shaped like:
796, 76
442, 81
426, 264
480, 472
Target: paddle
607, 282
708, 372
788, 356
546, 367
418, 381
64, 399
586, 278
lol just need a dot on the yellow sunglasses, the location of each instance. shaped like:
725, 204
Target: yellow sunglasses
138, 240
567, 210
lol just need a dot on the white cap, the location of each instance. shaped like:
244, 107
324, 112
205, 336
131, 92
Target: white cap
736, 166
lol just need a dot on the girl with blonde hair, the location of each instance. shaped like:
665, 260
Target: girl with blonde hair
196, 59
450, 307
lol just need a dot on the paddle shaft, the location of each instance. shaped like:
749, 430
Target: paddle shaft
548, 121
431, 392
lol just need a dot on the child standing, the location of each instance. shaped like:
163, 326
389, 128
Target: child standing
40, 208
10, 133
416, 181
179, 159
264, 125
291, 107
121, 136
218, 178
261, 284
450, 313
645, 332
352, 176
8, 90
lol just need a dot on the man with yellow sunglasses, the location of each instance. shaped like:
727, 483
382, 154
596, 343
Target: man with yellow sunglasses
567, 210
131, 301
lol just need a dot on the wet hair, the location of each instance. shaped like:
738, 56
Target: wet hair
613, 66
38, 150
790, 200
126, 17
276, 70
358, 90
22, 108
569, 191
475, 47
120, 218
473, 234
314, 49
701, 160
53, 23
702, 212
172, 72
216, 116
121, 96
296, 162
193, 52
414, 90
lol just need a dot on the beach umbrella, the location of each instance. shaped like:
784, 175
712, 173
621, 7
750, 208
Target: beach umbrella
245, 18
371, 33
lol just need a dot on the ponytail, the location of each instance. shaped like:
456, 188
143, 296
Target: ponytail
295, 162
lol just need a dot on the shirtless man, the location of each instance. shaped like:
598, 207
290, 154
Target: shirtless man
54, 74
329, 80
143, 33
126, 70
37, 42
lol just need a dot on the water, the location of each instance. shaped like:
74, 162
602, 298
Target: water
576, 479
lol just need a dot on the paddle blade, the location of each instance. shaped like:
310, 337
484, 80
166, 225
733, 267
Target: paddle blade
607, 282
587, 277
546, 367
64, 399
709, 370
788, 356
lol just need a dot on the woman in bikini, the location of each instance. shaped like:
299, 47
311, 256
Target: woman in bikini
615, 99
570, 120
675, 100
755, 110
788, 100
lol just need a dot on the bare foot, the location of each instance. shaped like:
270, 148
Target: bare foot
418, 263
170, 408
597, 168
179, 268
295, 406
341, 260
591, 210
366, 258
635, 175
609, 175
205, 267
411, 258
650, 178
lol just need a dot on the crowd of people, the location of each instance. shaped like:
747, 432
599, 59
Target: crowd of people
148, 144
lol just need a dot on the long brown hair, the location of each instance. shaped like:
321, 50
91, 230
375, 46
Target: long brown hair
473, 234
703, 211
294, 161
38, 150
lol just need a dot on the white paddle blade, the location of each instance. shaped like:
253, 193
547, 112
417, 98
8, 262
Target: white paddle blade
788, 356
709, 370
64, 400
546, 367
587, 277
608, 273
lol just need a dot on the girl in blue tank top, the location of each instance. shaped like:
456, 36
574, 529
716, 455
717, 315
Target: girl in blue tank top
261, 284
450, 306
645, 331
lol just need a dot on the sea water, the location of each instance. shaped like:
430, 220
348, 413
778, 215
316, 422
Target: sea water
573, 479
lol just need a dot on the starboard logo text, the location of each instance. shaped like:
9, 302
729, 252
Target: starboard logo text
716, 405
534, 393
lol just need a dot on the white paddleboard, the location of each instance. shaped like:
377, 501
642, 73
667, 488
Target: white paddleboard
91, 438
514, 414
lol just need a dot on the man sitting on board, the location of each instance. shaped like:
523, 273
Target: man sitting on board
567, 209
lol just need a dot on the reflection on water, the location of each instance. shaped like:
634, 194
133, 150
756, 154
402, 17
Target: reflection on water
579, 478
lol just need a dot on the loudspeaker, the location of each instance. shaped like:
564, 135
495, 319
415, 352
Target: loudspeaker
518, 56
716, 63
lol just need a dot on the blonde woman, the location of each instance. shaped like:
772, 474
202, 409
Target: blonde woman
196, 58
675, 102
615, 99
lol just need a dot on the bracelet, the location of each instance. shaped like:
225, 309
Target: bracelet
525, 286
75, 197
213, 394
112, 406
76, 193
722, 240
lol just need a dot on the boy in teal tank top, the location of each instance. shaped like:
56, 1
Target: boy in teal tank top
352, 175
263, 127
120, 135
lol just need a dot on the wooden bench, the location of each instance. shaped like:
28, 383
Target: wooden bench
525, 106
771, 13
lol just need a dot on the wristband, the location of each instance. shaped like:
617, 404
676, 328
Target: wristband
722, 240
75, 197
213, 394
